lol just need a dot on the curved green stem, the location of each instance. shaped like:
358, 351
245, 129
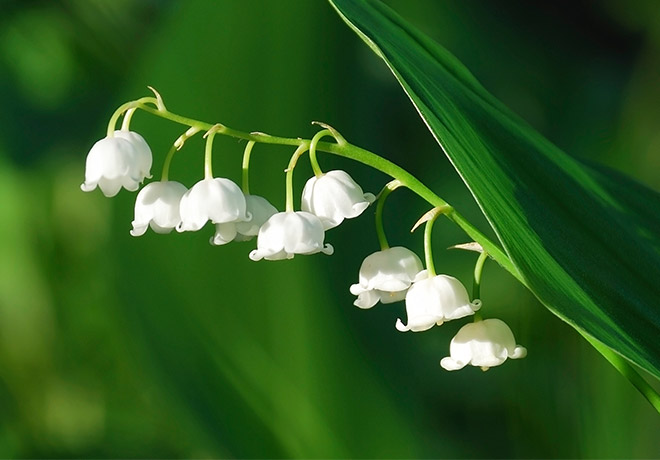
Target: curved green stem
208, 154
428, 248
476, 284
382, 196
139, 103
368, 158
478, 268
429, 218
245, 186
289, 175
312, 151
344, 149
126, 122
178, 143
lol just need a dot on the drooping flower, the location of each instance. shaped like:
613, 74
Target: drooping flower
260, 209
123, 160
333, 197
157, 206
485, 344
288, 233
218, 200
385, 276
143, 156
434, 300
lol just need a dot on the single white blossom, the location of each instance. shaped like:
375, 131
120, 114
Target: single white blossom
218, 200
485, 344
333, 197
260, 209
157, 206
288, 233
143, 156
385, 276
123, 160
434, 300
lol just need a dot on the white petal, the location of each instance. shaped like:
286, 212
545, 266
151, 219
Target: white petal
485, 344
110, 187
160, 230
391, 297
389, 273
333, 197
441, 296
218, 200
357, 289
367, 299
518, 352
452, 365
157, 206
224, 233
143, 156
390, 270
419, 323
261, 210
138, 229
288, 233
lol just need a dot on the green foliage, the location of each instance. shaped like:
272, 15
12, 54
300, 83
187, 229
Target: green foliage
586, 241
163, 346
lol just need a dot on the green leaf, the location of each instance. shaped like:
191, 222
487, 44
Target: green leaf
585, 239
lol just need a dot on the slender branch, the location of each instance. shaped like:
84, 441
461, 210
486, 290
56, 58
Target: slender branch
344, 149
478, 268
368, 158
382, 196
245, 177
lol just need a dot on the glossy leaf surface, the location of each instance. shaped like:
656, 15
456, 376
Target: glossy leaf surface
585, 239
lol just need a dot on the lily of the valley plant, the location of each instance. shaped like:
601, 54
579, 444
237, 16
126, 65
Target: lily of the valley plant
123, 159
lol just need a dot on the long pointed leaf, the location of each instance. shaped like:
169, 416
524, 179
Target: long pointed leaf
585, 239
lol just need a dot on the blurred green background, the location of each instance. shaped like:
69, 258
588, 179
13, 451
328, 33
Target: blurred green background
164, 346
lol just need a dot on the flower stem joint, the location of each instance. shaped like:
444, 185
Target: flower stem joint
123, 159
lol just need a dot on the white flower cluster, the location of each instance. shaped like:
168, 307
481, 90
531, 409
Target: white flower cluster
124, 160
396, 273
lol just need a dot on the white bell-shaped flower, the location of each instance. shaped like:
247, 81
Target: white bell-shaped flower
385, 276
288, 233
157, 206
333, 197
434, 300
485, 344
115, 162
143, 156
260, 209
218, 200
